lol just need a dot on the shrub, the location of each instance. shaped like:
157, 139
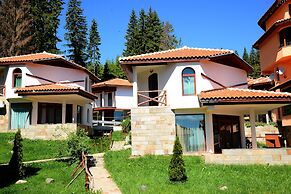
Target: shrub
77, 143
177, 170
126, 125
15, 163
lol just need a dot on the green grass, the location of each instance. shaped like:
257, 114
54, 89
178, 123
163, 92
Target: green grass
118, 136
32, 149
44, 149
59, 171
151, 171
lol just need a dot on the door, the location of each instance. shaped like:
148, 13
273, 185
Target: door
226, 132
153, 86
20, 115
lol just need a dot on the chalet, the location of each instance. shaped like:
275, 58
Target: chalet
199, 94
113, 103
45, 95
275, 56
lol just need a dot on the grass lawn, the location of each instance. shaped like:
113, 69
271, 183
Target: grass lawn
59, 171
151, 171
118, 136
32, 149
43, 149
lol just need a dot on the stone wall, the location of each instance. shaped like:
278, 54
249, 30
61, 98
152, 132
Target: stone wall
153, 130
279, 156
48, 131
4, 118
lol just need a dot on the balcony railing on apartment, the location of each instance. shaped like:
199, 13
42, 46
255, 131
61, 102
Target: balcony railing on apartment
152, 98
2, 90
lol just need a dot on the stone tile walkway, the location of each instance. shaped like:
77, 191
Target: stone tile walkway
118, 145
101, 178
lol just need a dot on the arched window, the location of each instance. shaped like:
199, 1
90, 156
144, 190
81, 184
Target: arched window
188, 81
17, 78
285, 37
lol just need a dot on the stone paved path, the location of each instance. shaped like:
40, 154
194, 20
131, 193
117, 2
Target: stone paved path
101, 177
118, 145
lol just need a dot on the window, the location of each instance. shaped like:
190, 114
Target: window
17, 78
188, 81
88, 115
49, 113
79, 114
86, 84
285, 37
191, 132
69, 113
109, 97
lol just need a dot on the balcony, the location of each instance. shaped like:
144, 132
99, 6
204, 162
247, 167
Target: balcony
2, 90
152, 98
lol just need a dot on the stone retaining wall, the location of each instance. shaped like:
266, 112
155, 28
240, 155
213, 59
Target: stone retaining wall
48, 131
279, 156
153, 130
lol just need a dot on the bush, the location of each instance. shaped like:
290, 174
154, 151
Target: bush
15, 163
126, 125
77, 143
177, 170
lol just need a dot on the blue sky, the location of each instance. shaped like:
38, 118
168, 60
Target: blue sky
225, 24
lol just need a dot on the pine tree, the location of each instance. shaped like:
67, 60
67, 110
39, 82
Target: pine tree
141, 38
46, 21
15, 28
254, 60
131, 37
168, 38
93, 47
16, 164
246, 55
153, 33
177, 170
76, 34
107, 75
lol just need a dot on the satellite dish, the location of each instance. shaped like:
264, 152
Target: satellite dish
272, 77
281, 70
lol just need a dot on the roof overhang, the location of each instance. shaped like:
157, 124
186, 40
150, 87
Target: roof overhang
279, 24
79, 92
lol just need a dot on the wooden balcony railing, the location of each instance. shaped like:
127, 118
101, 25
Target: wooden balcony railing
152, 98
2, 90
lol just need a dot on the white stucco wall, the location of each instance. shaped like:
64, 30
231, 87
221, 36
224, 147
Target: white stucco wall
169, 79
124, 97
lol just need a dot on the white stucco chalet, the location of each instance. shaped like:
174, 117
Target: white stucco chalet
43, 92
199, 94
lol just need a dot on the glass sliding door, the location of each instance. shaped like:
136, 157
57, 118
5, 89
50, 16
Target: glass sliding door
191, 131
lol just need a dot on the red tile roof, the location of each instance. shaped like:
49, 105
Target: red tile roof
277, 4
30, 57
235, 95
180, 53
45, 58
258, 81
53, 89
113, 82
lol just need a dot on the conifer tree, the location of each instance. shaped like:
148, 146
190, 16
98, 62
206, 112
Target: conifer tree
141, 39
16, 164
154, 32
46, 21
246, 55
15, 28
168, 38
254, 60
177, 170
107, 75
76, 34
93, 47
131, 37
